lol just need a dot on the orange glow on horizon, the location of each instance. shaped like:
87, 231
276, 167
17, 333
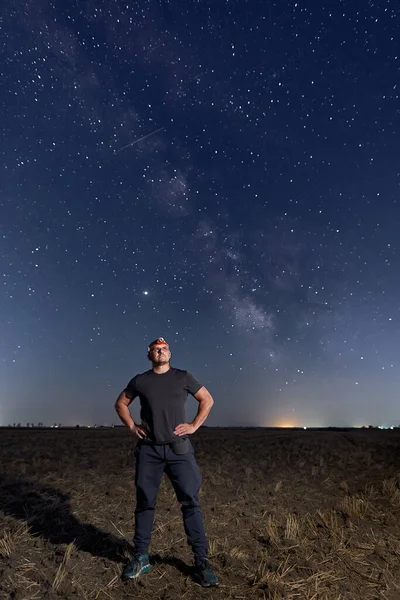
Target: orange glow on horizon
285, 424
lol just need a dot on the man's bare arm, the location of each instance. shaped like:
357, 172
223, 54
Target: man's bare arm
121, 406
205, 401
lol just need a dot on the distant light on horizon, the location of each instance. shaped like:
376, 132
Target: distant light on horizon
286, 424
292, 421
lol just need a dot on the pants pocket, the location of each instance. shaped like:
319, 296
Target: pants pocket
182, 446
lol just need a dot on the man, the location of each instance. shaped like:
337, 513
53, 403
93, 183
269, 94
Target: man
163, 446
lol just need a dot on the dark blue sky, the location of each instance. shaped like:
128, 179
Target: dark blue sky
256, 228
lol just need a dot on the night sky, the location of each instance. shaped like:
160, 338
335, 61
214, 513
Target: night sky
224, 174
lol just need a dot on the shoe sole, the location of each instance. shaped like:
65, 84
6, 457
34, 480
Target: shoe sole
143, 570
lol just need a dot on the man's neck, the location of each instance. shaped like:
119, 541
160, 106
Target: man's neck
160, 369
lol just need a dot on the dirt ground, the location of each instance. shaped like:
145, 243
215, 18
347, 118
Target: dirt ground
289, 515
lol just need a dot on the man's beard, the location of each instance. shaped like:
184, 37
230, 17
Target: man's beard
161, 361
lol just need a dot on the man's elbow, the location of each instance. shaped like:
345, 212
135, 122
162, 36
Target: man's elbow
119, 403
209, 401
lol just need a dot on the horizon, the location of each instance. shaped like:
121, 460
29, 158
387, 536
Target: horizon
116, 425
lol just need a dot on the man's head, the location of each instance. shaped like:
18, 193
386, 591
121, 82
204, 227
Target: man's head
158, 352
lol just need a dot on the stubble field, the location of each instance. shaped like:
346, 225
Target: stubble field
289, 515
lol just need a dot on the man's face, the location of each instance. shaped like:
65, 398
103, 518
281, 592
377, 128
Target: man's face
160, 354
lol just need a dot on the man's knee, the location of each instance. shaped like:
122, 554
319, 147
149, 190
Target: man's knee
187, 493
145, 497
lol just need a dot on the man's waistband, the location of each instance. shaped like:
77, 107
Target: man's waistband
149, 442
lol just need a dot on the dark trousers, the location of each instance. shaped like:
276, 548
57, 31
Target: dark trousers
182, 470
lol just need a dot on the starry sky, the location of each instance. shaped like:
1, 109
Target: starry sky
224, 174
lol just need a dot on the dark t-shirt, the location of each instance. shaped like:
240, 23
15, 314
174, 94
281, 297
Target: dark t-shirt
162, 400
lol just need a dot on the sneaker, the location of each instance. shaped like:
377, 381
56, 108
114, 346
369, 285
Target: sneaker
204, 573
139, 564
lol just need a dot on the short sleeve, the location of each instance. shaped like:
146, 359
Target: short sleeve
192, 385
131, 390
